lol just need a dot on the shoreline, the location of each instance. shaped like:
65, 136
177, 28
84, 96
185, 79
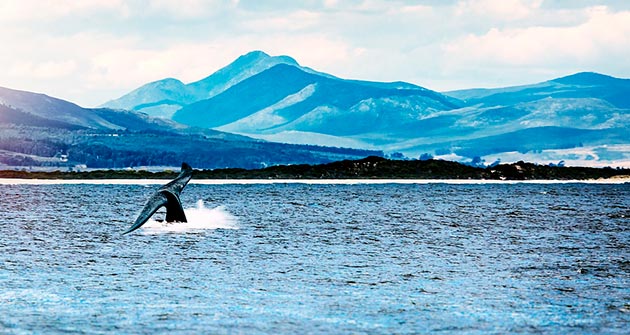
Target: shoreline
21, 181
373, 170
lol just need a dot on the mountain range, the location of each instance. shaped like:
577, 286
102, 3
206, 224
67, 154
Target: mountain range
37, 130
582, 119
265, 110
164, 97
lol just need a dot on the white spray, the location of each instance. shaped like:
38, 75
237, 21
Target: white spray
199, 218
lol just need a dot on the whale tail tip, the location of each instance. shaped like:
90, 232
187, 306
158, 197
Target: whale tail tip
186, 167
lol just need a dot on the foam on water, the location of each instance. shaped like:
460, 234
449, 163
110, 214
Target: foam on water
199, 218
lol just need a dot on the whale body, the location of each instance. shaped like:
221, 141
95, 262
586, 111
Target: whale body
167, 196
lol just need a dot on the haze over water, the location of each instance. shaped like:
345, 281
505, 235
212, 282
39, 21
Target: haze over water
318, 259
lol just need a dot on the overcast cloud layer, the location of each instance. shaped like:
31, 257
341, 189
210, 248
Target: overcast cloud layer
92, 51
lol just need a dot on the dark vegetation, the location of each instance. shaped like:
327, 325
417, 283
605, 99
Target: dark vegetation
368, 168
41, 131
106, 149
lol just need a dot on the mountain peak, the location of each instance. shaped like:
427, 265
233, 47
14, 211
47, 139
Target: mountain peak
258, 55
259, 58
242, 68
255, 54
164, 89
162, 95
587, 78
166, 83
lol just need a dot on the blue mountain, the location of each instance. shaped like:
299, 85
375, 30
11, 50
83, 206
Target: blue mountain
163, 97
582, 117
36, 130
286, 97
579, 85
42, 107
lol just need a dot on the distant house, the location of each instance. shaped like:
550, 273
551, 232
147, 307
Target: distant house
61, 157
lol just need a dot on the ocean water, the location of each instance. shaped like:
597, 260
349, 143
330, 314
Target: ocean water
318, 259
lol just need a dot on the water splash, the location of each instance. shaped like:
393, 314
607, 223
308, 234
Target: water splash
199, 218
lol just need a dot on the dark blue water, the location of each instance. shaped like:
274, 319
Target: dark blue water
319, 259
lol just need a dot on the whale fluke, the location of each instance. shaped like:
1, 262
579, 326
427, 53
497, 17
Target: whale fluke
167, 196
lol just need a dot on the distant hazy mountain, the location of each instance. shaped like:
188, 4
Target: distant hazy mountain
162, 98
38, 130
582, 118
581, 85
34, 109
44, 107
286, 98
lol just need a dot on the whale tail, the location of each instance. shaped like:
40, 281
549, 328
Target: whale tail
167, 196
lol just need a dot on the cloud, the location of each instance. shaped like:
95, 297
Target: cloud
43, 70
93, 51
498, 9
294, 21
130, 67
603, 35
49, 10
190, 9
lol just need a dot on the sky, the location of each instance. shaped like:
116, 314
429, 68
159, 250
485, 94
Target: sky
92, 51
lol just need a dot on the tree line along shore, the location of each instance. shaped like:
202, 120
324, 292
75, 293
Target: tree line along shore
368, 168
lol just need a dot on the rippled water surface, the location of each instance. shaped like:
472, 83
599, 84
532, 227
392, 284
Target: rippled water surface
318, 259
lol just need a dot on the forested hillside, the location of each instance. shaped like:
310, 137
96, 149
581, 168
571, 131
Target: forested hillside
37, 130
